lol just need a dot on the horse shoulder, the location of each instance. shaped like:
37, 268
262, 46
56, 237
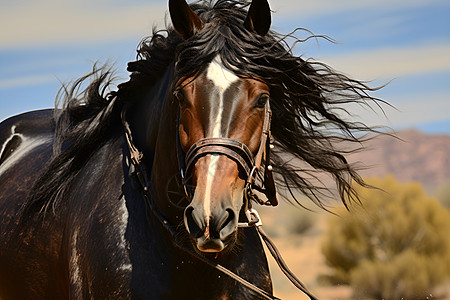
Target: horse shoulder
25, 150
98, 218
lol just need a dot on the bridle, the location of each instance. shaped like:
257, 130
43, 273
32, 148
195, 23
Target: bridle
247, 163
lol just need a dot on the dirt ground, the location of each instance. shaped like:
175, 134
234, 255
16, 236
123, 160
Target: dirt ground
303, 255
304, 258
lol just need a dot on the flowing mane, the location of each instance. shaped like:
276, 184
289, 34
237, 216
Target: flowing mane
306, 100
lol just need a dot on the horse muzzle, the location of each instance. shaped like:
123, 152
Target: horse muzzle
212, 231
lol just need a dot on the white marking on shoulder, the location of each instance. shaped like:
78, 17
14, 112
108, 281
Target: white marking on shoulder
13, 133
27, 144
123, 223
75, 277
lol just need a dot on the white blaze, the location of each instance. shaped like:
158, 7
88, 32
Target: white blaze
223, 79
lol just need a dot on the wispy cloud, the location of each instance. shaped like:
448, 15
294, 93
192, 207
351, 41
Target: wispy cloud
26, 81
388, 63
51, 22
314, 8
22, 66
416, 109
423, 108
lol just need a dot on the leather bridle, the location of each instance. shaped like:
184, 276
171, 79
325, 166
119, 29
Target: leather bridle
250, 165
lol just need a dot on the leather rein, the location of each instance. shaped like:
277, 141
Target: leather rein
247, 163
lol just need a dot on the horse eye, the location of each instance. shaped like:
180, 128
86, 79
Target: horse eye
262, 100
179, 95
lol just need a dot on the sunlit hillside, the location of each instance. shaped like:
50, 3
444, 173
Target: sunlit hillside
413, 156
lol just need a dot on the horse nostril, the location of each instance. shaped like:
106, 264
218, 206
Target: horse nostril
228, 226
191, 225
229, 219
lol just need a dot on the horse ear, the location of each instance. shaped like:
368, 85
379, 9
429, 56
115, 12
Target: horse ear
184, 19
258, 17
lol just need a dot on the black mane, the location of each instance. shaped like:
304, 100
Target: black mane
306, 99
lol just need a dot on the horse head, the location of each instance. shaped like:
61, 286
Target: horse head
220, 133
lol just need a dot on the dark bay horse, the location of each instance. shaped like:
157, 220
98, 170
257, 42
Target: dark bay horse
100, 197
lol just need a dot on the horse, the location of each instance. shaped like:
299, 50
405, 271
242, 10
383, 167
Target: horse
145, 190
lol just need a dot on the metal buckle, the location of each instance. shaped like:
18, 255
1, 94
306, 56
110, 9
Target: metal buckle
254, 220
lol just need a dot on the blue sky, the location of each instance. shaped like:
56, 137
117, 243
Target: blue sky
46, 42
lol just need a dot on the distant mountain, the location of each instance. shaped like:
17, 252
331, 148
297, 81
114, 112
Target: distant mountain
415, 156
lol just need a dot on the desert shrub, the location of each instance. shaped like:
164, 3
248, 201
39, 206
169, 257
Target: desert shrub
298, 220
397, 246
443, 194
287, 220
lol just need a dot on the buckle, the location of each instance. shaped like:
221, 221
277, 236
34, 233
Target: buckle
254, 220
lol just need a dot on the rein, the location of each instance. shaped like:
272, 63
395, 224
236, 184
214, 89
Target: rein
240, 153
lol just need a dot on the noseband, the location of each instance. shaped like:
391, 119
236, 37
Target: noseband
248, 165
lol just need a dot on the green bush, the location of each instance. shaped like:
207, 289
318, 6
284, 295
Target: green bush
397, 246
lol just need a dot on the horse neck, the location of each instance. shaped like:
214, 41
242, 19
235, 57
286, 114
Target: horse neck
153, 122
165, 170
